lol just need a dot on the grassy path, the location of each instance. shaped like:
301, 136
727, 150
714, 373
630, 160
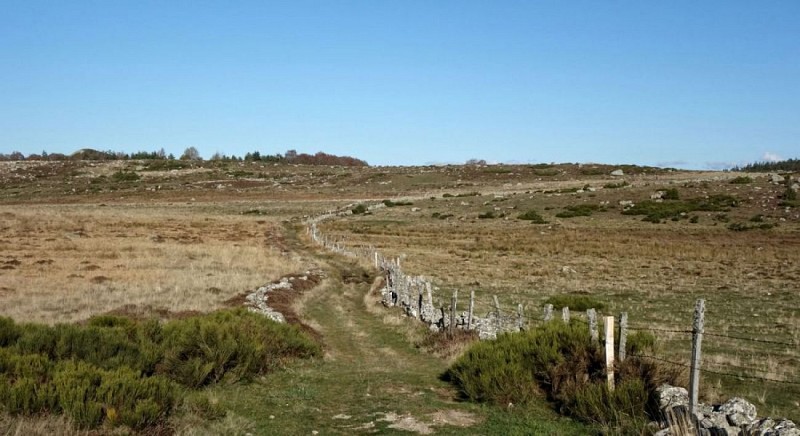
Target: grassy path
372, 379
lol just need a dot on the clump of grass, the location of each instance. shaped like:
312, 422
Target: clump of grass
532, 216
741, 180
671, 194
487, 215
575, 302
578, 210
441, 216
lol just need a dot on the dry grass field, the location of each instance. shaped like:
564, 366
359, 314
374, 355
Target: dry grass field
78, 239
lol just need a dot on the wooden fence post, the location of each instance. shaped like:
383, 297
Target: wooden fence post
697, 341
496, 313
623, 335
453, 312
548, 312
591, 315
520, 322
609, 336
471, 309
565, 314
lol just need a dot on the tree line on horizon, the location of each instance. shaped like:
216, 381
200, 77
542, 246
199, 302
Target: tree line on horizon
190, 154
759, 167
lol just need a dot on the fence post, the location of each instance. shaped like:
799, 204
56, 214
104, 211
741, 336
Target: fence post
453, 312
376, 259
496, 313
548, 312
591, 315
609, 336
623, 335
697, 341
519, 317
565, 314
471, 309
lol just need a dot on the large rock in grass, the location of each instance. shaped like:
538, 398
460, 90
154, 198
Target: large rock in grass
671, 396
617, 173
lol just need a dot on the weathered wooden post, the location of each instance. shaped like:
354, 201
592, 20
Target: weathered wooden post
520, 321
697, 342
565, 314
453, 312
376, 259
623, 335
471, 309
496, 313
548, 312
609, 336
591, 316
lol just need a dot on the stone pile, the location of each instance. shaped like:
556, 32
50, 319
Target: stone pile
736, 417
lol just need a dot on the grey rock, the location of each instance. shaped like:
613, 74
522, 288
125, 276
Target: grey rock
671, 396
617, 173
772, 427
739, 411
776, 178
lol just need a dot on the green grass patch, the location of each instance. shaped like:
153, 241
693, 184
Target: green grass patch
166, 165
743, 227
359, 209
621, 184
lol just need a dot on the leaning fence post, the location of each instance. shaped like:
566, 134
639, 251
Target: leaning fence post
548, 312
565, 314
471, 309
623, 335
609, 336
591, 315
453, 312
697, 341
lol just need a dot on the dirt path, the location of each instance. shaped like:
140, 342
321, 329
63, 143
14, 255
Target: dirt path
372, 379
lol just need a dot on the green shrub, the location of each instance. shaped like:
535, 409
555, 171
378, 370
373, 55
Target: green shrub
671, 194
125, 176
579, 303
359, 209
741, 180
487, 215
621, 184
390, 203
533, 217
578, 210
9, 332
235, 343
789, 194
559, 362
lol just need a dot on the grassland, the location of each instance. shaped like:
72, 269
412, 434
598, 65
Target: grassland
76, 241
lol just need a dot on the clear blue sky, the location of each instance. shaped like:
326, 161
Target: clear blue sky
681, 83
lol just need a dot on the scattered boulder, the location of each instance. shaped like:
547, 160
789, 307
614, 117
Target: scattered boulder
776, 178
739, 411
617, 173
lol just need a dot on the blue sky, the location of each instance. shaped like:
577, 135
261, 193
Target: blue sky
678, 83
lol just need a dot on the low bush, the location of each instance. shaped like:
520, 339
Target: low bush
487, 215
743, 227
741, 180
390, 203
559, 362
578, 303
359, 209
118, 371
125, 176
671, 194
533, 217
621, 184
578, 210
656, 211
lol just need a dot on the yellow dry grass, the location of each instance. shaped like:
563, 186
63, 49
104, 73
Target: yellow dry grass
67, 263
